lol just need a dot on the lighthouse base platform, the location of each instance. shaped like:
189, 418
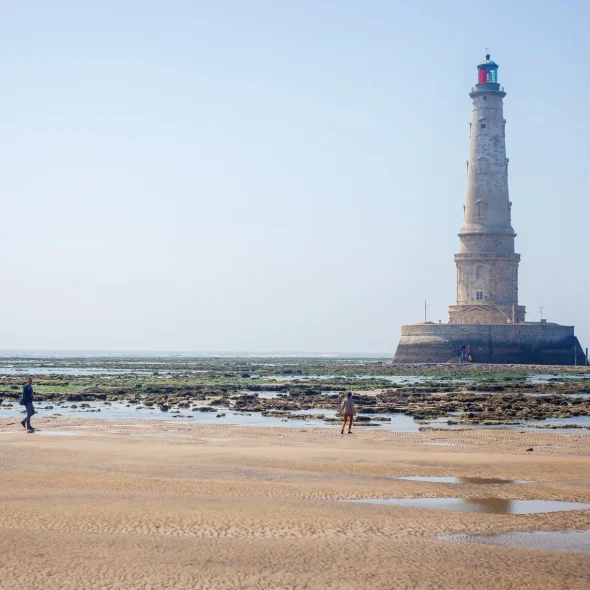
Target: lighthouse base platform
540, 343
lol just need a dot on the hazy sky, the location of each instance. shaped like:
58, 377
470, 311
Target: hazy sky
273, 175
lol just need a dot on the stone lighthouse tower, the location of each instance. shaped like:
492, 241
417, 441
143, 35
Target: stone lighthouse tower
487, 266
487, 319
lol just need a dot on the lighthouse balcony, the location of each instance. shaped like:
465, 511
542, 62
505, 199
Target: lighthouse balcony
488, 86
464, 256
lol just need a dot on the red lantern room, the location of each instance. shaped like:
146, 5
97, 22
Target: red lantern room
487, 71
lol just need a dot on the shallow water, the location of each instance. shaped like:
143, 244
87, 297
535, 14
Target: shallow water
55, 433
44, 432
459, 480
581, 420
578, 541
566, 395
398, 379
547, 378
299, 377
76, 371
482, 505
120, 411
398, 423
529, 426
417, 379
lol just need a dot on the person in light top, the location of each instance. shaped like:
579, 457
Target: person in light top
347, 410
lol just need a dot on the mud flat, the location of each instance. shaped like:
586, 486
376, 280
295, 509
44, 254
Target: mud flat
136, 504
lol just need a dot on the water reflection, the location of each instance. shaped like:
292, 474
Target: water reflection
481, 505
578, 541
459, 480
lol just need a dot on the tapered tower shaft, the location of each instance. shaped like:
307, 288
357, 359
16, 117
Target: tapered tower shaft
487, 266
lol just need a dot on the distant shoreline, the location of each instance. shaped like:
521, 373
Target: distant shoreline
49, 353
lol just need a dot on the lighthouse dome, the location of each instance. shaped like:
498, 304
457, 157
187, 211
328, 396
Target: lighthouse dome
488, 63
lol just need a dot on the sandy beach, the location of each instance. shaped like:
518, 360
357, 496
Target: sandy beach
146, 505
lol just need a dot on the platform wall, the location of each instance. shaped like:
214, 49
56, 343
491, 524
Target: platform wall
548, 344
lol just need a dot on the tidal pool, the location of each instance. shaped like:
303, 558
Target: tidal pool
566, 396
482, 505
459, 480
547, 377
574, 540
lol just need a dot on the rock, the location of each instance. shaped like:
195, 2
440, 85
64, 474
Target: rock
531, 449
164, 408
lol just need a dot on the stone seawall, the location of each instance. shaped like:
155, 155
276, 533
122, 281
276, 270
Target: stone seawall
544, 344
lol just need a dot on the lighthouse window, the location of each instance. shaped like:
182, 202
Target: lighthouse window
492, 76
481, 207
478, 271
483, 125
481, 166
479, 295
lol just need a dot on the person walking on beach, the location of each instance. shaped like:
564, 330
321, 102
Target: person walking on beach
27, 401
347, 410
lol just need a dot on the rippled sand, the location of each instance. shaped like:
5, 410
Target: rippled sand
145, 505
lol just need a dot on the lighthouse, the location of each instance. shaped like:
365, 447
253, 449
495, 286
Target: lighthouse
487, 266
487, 319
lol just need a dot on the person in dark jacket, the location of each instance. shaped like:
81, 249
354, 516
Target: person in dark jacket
27, 401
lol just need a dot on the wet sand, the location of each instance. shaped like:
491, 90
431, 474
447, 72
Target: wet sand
151, 505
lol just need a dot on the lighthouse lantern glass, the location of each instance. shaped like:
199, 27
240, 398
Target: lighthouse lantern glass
487, 75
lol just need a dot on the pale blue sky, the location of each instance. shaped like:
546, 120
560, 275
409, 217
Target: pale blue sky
267, 175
